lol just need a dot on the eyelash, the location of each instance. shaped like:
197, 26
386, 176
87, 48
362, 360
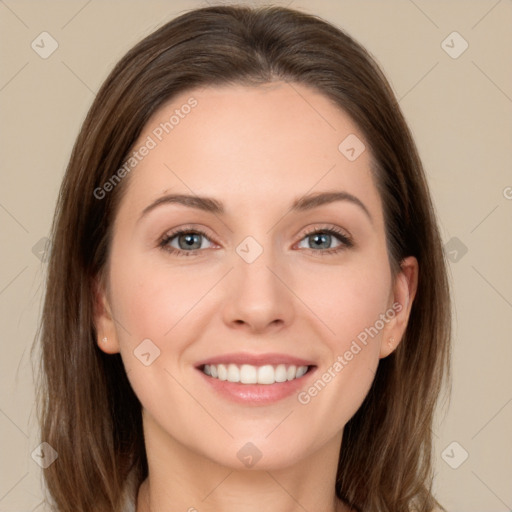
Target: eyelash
346, 241
176, 252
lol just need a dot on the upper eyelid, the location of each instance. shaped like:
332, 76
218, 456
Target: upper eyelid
172, 233
344, 237
335, 230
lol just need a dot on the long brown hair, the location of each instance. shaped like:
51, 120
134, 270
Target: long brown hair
88, 411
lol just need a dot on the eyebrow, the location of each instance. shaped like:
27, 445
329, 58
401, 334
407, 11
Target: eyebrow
208, 204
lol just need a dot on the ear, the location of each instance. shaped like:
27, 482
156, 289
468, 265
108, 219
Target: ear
402, 296
103, 319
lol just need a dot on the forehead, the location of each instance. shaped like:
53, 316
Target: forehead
265, 144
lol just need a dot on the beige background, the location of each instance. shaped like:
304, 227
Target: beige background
460, 111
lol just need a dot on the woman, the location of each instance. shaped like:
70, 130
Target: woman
293, 358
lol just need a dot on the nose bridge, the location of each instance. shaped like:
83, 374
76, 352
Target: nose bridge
252, 267
258, 298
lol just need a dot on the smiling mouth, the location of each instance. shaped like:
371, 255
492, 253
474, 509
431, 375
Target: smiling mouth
249, 374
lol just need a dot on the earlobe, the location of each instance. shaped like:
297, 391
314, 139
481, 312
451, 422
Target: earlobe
104, 320
404, 291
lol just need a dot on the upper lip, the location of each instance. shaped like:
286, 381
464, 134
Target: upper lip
256, 360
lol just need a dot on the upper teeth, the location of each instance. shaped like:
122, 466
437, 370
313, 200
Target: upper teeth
249, 374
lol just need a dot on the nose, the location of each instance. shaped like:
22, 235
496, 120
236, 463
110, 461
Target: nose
259, 299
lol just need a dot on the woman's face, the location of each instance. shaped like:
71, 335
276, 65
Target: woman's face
281, 267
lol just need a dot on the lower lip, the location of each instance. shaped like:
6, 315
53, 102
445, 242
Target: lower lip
257, 394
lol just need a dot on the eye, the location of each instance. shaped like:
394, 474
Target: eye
188, 242
322, 240
185, 242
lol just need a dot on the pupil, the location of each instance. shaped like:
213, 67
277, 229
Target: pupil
190, 240
322, 239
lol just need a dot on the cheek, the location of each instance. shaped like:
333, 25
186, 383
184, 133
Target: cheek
347, 299
155, 307
352, 307
151, 300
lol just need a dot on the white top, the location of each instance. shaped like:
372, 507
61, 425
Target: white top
129, 494
129, 506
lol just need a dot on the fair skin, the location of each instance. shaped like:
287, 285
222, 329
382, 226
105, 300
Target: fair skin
255, 150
